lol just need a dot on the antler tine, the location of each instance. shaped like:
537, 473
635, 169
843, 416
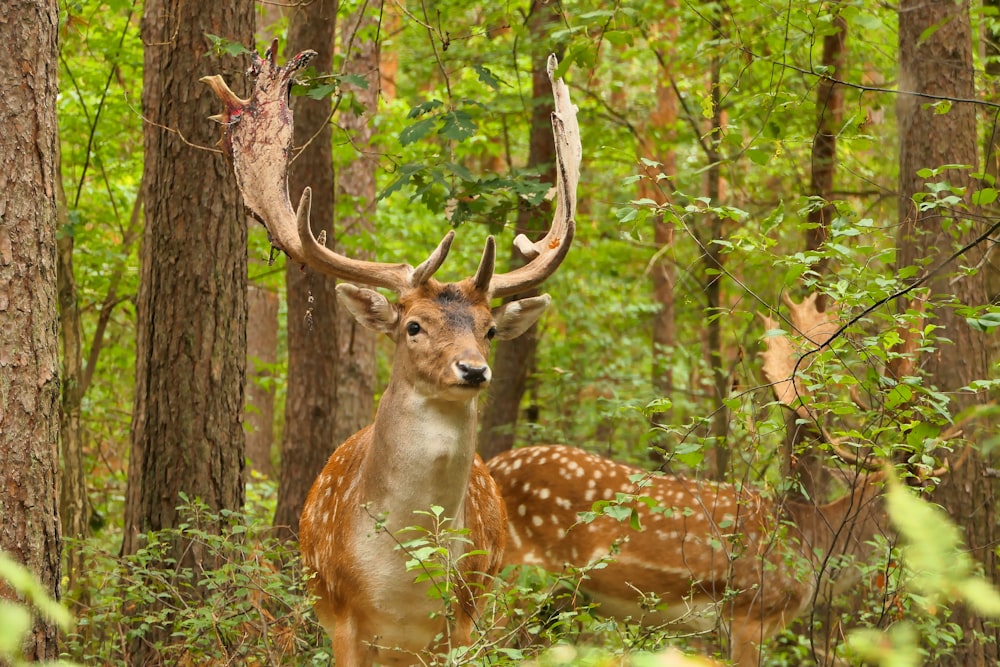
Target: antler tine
484, 274
429, 266
257, 136
547, 254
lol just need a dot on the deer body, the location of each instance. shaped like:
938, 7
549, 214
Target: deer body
419, 453
420, 450
708, 551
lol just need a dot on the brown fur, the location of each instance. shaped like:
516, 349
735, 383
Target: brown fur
718, 550
420, 452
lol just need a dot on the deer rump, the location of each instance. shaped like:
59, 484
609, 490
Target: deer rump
711, 555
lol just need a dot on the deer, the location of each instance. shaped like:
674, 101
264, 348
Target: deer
419, 452
707, 555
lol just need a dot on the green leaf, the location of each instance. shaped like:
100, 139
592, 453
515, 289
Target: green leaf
633, 520
320, 91
416, 131
984, 197
16, 623
355, 80
487, 77
424, 107
22, 580
223, 46
758, 156
458, 125
985, 322
898, 395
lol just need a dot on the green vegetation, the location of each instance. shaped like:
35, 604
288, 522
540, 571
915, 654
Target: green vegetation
729, 174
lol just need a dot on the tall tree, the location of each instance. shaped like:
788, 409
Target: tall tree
935, 54
514, 359
262, 354
657, 144
29, 388
311, 394
829, 116
187, 431
355, 213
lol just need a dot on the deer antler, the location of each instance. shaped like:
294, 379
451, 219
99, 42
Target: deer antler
546, 254
257, 135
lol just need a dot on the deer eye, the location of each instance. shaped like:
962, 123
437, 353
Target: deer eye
413, 328
491, 333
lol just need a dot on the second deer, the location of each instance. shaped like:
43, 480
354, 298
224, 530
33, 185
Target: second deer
420, 450
709, 555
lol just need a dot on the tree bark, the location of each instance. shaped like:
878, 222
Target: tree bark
941, 64
262, 354
355, 214
73, 504
656, 144
311, 394
814, 480
29, 370
712, 262
187, 421
514, 359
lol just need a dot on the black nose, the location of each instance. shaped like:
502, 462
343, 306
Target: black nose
472, 374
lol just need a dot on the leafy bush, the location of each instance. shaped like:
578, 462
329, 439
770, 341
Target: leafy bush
243, 601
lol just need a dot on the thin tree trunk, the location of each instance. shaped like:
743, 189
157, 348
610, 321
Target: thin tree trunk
941, 64
29, 366
514, 359
657, 144
73, 504
355, 214
311, 398
187, 422
814, 481
712, 260
262, 354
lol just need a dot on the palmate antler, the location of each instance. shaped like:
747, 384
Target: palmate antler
814, 328
257, 135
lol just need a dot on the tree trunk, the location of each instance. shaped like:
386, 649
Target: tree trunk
29, 377
311, 398
355, 214
262, 354
657, 142
73, 505
514, 359
814, 481
941, 64
187, 430
712, 261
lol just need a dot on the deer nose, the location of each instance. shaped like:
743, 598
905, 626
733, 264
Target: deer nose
473, 373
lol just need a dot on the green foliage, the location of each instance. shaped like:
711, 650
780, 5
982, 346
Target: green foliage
16, 618
238, 596
451, 144
938, 570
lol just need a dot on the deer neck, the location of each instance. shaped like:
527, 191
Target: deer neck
841, 527
422, 455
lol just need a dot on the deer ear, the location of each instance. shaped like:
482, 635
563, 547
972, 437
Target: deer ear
368, 307
514, 318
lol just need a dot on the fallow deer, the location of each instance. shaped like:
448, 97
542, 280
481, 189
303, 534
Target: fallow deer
716, 556
420, 450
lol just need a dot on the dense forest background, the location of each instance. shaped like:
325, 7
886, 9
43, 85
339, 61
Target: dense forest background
739, 158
